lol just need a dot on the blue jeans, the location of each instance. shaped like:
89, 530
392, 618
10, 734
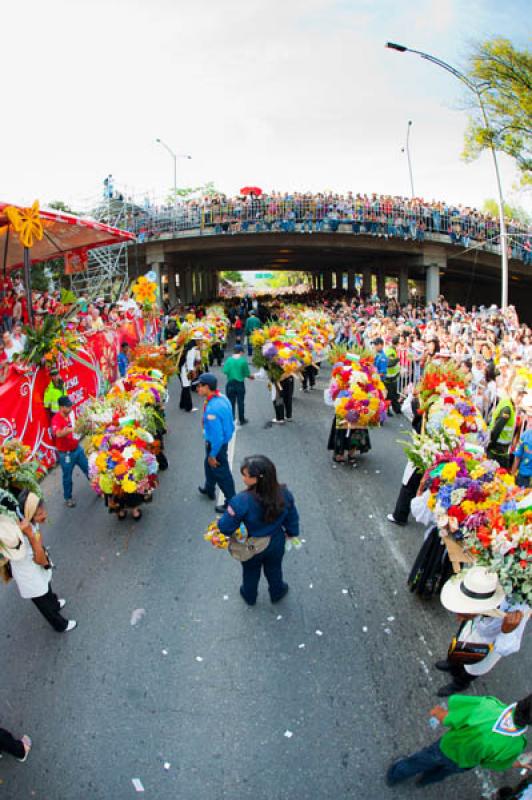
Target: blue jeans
430, 761
68, 461
271, 561
220, 475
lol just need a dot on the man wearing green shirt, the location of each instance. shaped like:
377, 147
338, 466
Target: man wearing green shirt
252, 323
236, 370
484, 732
54, 391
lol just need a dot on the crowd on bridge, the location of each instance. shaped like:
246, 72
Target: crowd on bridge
375, 215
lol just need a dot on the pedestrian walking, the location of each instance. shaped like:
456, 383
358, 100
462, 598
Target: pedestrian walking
484, 732
32, 572
481, 640
188, 368
236, 370
69, 451
218, 430
19, 748
252, 323
268, 511
123, 359
522, 466
391, 378
282, 397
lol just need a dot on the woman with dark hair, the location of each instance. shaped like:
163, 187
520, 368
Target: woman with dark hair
267, 509
187, 366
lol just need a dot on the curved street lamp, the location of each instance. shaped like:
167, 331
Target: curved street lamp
401, 48
175, 156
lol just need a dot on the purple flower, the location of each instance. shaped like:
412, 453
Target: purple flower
269, 350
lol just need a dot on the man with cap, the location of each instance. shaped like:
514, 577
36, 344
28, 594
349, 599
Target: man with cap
392, 375
54, 391
69, 451
252, 323
218, 429
236, 370
123, 359
380, 359
502, 427
486, 618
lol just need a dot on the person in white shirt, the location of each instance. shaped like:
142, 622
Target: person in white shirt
11, 347
188, 367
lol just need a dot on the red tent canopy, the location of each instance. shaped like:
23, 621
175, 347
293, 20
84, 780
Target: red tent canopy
63, 233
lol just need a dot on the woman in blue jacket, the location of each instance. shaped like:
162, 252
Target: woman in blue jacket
266, 508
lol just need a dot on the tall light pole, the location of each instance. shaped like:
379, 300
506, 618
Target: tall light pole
401, 48
407, 150
175, 156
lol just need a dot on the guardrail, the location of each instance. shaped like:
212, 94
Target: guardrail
382, 220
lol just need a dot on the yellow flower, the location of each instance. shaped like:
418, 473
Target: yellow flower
449, 471
129, 486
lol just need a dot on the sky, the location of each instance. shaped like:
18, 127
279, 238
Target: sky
288, 95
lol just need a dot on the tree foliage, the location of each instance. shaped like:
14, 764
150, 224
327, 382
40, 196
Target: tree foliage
233, 276
517, 213
205, 190
285, 278
503, 75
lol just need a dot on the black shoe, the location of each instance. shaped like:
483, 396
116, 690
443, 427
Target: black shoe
391, 518
443, 665
284, 592
243, 422
451, 688
244, 598
203, 490
220, 509
389, 780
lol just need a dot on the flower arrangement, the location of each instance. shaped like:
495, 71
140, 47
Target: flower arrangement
121, 461
219, 540
18, 470
149, 356
438, 379
357, 392
147, 386
280, 351
457, 416
144, 290
423, 449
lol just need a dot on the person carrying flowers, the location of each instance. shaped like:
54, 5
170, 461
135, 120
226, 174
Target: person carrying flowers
502, 427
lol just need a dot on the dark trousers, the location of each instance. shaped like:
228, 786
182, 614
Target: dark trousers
284, 406
271, 561
8, 744
431, 762
216, 354
48, 605
236, 393
186, 399
393, 396
406, 495
220, 475
309, 376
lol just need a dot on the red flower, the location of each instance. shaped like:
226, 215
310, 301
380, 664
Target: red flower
523, 563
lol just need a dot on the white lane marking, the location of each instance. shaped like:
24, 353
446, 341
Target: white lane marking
230, 457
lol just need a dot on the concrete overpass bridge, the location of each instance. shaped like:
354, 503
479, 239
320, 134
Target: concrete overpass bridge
188, 262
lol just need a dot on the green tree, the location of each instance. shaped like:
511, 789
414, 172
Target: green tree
233, 276
58, 205
517, 213
286, 278
206, 190
503, 75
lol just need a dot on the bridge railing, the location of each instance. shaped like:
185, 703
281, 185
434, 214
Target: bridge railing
379, 219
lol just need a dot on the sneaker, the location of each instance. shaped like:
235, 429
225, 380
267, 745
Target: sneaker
70, 503
71, 625
193, 410
62, 602
391, 518
26, 741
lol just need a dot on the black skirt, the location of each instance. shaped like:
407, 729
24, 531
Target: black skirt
432, 567
342, 439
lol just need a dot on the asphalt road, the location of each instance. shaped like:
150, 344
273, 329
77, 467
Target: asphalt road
214, 688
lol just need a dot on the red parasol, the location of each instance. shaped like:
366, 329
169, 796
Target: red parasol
252, 190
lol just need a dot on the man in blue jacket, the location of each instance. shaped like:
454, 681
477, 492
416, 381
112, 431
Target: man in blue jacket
380, 359
218, 429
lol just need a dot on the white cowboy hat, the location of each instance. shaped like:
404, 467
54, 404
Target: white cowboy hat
473, 591
11, 540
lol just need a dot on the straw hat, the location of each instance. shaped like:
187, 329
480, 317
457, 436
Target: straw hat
11, 541
473, 591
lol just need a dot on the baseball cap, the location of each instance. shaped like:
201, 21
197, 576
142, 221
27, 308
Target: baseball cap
64, 402
208, 379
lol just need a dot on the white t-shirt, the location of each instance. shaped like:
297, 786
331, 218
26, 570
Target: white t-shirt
32, 580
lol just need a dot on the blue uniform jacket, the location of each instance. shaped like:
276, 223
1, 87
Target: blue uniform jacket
381, 363
218, 424
123, 364
245, 507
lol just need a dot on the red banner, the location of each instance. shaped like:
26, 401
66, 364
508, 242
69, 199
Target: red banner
76, 261
86, 373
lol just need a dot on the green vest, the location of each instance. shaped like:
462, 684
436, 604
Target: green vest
392, 372
507, 433
51, 397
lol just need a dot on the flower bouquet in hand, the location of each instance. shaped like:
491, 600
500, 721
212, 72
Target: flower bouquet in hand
18, 470
455, 415
357, 392
440, 379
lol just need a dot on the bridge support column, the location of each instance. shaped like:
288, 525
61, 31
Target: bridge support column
366, 281
350, 280
327, 280
172, 288
186, 283
432, 283
403, 284
339, 280
381, 285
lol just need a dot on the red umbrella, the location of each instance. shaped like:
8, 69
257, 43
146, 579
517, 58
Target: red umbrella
252, 190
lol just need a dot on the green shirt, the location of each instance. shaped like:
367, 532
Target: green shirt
236, 369
252, 323
482, 733
52, 395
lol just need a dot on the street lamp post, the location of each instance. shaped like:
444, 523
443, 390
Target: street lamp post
175, 156
401, 48
407, 150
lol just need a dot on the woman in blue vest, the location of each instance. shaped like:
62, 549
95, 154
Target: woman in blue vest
265, 508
